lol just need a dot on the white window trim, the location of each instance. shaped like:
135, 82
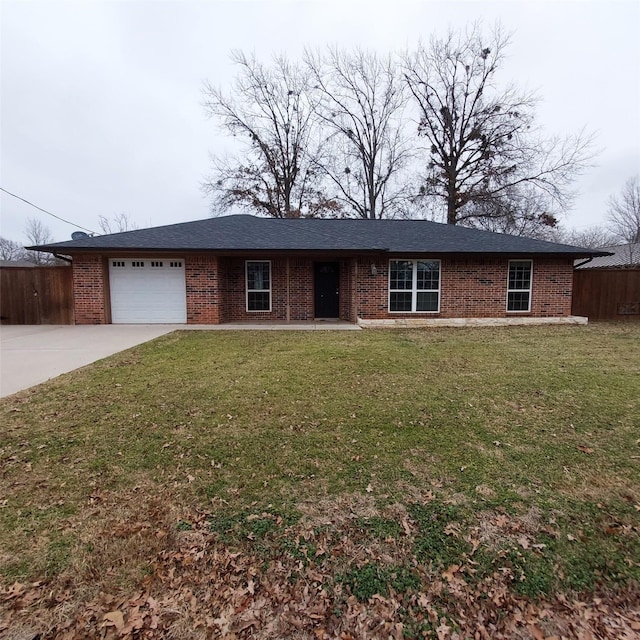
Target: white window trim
246, 285
414, 284
529, 290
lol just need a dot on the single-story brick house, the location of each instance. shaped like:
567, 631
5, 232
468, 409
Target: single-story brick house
244, 268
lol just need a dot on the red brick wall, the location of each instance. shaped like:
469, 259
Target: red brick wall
300, 291
552, 288
347, 301
202, 278
89, 292
301, 288
472, 288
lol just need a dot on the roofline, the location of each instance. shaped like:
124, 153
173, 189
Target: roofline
141, 251
349, 252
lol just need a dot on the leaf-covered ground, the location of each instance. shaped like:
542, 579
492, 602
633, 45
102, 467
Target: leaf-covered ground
441, 483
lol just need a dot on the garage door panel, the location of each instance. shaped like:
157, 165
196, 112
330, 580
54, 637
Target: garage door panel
147, 291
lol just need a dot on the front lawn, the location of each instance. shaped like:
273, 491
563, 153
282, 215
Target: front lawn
420, 483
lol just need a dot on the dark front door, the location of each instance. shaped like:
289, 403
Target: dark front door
327, 289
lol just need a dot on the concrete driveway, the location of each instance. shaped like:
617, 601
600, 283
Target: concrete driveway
32, 354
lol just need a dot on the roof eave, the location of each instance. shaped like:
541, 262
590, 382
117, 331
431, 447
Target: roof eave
70, 250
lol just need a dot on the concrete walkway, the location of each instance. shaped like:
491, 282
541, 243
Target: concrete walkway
31, 354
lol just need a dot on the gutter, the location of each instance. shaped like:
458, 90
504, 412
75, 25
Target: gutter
587, 261
57, 255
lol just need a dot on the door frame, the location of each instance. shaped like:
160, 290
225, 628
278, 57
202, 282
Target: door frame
317, 273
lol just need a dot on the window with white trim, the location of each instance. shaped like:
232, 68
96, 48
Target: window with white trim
258, 285
519, 285
414, 286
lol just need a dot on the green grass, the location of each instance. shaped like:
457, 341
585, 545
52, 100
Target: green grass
272, 432
371, 579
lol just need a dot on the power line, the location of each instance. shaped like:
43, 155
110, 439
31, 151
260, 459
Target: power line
35, 206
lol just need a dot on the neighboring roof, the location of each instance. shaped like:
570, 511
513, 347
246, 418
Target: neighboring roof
624, 255
250, 233
16, 263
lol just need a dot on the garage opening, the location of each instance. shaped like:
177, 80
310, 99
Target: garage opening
147, 291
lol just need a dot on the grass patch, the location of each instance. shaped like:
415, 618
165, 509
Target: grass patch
378, 527
508, 451
371, 579
439, 540
258, 528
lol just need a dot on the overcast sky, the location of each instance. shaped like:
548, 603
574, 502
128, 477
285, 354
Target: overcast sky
101, 101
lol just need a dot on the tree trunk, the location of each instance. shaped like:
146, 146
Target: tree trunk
452, 210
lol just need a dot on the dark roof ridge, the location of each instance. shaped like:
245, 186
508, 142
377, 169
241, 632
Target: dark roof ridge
328, 236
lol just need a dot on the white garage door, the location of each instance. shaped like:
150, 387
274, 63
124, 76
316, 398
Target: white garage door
147, 291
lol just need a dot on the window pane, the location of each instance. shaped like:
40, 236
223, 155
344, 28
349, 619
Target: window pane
520, 275
428, 275
258, 301
427, 301
400, 302
401, 274
258, 275
518, 301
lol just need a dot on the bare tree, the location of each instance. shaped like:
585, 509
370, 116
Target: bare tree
118, 223
361, 102
595, 237
518, 211
271, 111
38, 234
11, 250
624, 212
481, 141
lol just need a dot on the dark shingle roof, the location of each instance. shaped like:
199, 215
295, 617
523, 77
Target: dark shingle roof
250, 233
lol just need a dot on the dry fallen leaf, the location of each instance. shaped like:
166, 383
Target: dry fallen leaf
502, 521
584, 449
536, 632
450, 572
114, 618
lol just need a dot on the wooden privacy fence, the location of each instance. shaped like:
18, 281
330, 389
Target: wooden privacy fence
36, 295
606, 294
